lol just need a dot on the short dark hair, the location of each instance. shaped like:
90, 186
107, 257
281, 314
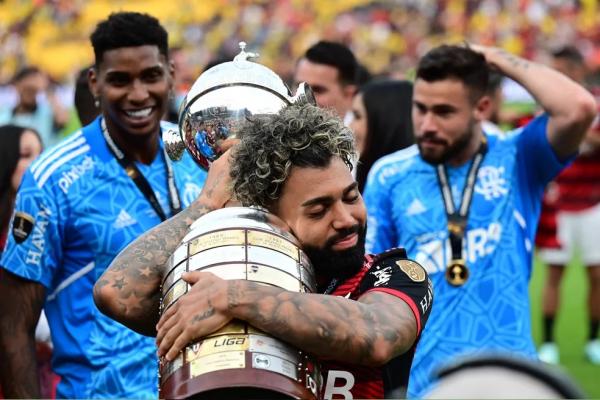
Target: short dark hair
335, 55
569, 53
456, 62
10, 141
388, 106
26, 72
494, 82
128, 29
298, 136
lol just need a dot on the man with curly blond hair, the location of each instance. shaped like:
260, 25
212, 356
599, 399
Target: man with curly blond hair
368, 315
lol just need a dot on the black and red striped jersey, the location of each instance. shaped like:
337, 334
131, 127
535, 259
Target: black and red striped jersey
579, 183
390, 272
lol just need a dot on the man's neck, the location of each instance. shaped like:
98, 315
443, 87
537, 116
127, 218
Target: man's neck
470, 150
24, 109
142, 148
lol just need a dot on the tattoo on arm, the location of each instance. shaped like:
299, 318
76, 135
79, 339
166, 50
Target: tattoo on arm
515, 61
129, 290
21, 302
368, 332
209, 312
210, 189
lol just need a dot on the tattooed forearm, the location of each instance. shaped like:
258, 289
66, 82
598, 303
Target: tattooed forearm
513, 60
20, 306
369, 332
128, 291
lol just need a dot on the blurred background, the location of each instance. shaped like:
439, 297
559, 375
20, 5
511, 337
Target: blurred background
388, 37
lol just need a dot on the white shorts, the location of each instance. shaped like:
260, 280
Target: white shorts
577, 232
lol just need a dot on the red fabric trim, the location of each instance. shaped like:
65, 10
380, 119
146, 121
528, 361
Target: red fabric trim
406, 299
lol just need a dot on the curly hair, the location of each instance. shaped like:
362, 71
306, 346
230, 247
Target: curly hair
298, 136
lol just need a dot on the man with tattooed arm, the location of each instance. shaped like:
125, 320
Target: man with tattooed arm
79, 204
297, 165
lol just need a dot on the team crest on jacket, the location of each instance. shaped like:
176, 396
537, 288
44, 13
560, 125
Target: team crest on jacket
414, 271
22, 226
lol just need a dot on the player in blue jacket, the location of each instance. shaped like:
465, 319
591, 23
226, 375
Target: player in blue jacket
79, 205
465, 204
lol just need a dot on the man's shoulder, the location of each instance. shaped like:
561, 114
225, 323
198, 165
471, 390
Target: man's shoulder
537, 124
70, 157
395, 258
393, 254
395, 166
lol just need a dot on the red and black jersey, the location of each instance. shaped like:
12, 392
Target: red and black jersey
579, 183
546, 236
576, 188
390, 272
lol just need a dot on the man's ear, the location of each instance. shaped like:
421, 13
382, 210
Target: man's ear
171, 68
349, 91
482, 108
92, 76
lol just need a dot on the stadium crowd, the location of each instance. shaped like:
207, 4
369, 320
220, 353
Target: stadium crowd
387, 36
360, 57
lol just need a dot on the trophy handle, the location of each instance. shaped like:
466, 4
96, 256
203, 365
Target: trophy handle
304, 95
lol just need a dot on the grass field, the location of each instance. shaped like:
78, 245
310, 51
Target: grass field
571, 326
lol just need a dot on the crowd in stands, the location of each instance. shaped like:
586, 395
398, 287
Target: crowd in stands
387, 36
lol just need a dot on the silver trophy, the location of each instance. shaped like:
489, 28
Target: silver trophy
238, 361
221, 100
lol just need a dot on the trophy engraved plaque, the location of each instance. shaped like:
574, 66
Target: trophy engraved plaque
239, 361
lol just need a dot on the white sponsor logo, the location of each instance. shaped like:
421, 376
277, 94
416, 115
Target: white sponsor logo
339, 383
383, 276
191, 191
426, 301
490, 183
71, 176
416, 207
435, 254
34, 255
123, 220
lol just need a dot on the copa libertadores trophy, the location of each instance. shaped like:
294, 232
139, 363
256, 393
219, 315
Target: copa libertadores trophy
238, 361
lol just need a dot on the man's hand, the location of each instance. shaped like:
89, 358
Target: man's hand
129, 290
485, 51
570, 106
216, 192
200, 312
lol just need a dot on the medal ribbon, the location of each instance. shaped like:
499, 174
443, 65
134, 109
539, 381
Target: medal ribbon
457, 219
140, 181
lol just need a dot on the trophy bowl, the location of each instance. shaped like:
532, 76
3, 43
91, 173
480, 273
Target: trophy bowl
221, 100
239, 361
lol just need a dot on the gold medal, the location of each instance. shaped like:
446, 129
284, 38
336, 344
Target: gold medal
457, 272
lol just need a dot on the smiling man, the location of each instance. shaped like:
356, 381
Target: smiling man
367, 319
80, 204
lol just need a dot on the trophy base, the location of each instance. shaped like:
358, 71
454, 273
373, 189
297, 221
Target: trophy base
241, 393
233, 384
